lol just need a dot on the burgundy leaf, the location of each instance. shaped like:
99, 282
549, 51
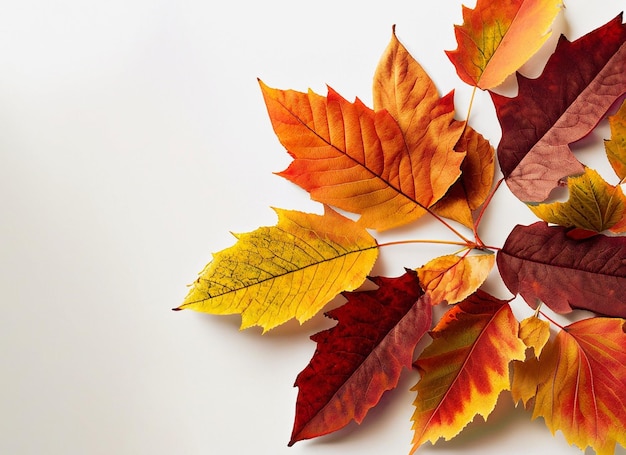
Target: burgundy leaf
542, 263
580, 82
361, 357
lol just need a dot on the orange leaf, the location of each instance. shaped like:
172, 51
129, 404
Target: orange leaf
497, 38
472, 188
453, 278
402, 87
583, 393
465, 368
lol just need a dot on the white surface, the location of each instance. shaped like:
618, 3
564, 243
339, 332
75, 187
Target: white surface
133, 138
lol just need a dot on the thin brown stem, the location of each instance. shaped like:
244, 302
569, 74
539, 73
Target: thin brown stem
486, 203
440, 242
551, 320
446, 224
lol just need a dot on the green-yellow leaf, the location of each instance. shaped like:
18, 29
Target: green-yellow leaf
593, 204
616, 146
290, 270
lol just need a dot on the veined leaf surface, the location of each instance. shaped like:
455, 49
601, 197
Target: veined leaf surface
593, 204
453, 278
543, 264
580, 82
465, 368
388, 164
362, 356
582, 383
497, 38
286, 271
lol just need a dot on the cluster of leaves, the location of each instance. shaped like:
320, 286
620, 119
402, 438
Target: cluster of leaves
409, 157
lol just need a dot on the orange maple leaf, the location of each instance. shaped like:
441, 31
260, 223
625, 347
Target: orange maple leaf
388, 165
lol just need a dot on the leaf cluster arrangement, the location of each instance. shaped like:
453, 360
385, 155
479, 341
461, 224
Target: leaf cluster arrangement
408, 157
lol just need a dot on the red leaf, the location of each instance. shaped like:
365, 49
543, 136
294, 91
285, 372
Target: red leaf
543, 263
362, 356
580, 82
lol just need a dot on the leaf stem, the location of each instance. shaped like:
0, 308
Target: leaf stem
551, 320
471, 103
485, 204
440, 242
454, 231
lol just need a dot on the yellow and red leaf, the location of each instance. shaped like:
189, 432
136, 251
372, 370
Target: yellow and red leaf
362, 356
465, 368
497, 38
581, 387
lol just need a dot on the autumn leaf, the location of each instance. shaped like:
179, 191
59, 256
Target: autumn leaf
616, 146
471, 190
362, 356
453, 278
497, 38
387, 165
535, 333
465, 368
286, 271
593, 204
581, 392
580, 82
543, 264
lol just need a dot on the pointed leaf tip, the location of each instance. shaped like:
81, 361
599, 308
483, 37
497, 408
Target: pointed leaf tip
273, 274
361, 357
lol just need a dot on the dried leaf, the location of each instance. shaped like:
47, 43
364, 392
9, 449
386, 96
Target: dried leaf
465, 368
471, 189
580, 82
581, 389
286, 271
362, 356
497, 38
542, 263
616, 146
453, 278
361, 160
535, 333
593, 204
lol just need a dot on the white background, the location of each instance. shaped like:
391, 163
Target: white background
133, 138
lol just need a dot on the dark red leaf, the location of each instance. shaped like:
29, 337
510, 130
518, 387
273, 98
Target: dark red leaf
543, 263
362, 356
580, 82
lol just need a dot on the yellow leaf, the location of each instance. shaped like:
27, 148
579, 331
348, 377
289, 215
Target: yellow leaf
593, 204
290, 270
453, 278
497, 38
616, 146
535, 333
